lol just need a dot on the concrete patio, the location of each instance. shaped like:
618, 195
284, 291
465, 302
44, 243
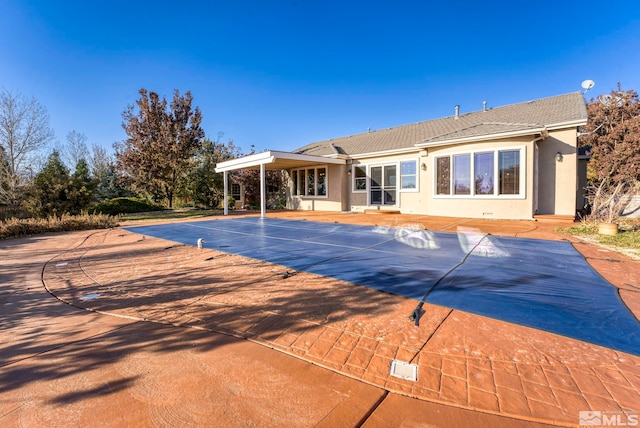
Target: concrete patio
112, 328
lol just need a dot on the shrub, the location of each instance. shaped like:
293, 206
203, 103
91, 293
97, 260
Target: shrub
15, 228
124, 206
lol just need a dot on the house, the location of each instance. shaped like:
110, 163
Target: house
510, 162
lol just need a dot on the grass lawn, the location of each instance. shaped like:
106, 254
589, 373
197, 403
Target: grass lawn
626, 241
170, 214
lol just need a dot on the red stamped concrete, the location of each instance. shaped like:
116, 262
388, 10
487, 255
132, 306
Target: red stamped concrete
155, 322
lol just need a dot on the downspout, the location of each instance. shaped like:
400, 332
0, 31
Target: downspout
348, 185
543, 135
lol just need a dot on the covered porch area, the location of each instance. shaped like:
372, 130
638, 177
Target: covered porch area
272, 160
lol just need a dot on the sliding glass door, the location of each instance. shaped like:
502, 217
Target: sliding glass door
382, 188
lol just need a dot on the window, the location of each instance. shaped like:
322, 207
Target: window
309, 181
483, 166
389, 184
474, 174
235, 191
359, 178
294, 178
443, 175
509, 165
462, 174
408, 175
322, 182
376, 185
382, 180
302, 182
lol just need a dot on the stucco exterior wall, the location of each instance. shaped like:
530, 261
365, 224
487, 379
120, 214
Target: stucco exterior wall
558, 180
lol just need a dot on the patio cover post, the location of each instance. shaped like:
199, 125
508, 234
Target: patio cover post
225, 203
263, 192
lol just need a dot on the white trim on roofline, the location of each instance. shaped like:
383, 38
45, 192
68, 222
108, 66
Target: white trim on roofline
271, 156
485, 137
569, 124
500, 135
385, 153
335, 156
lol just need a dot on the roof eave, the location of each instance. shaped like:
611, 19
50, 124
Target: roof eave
384, 153
272, 156
568, 124
486, 137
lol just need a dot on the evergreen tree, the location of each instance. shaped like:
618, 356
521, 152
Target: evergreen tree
48, 192
81, 188
201, 183
103, 170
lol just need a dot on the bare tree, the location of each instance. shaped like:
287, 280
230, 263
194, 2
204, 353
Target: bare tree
24, 131
75, 149
612, 138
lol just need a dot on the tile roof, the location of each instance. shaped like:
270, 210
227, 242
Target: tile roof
521, 117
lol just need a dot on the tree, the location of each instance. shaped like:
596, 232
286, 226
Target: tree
103, 170
47, 193
54, 192
75, 149
24, 132
81, 188
160, 143
612, 138
201, 183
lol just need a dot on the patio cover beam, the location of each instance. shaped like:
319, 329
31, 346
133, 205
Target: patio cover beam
276, 160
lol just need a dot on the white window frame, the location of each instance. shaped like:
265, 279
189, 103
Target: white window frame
232, 194
417, 175
353, 178
367, 176
305, 183
382, 165
496, 174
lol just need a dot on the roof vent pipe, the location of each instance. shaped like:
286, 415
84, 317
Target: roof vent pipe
457, 112
484, 106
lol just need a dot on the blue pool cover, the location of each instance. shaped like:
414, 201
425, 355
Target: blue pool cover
546, 285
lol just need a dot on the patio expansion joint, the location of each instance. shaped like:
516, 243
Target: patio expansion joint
433, 333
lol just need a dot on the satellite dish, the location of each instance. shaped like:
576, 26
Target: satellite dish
610, 100
605, 99
588, 84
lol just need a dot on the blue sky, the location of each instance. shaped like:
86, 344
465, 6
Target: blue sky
280, 74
